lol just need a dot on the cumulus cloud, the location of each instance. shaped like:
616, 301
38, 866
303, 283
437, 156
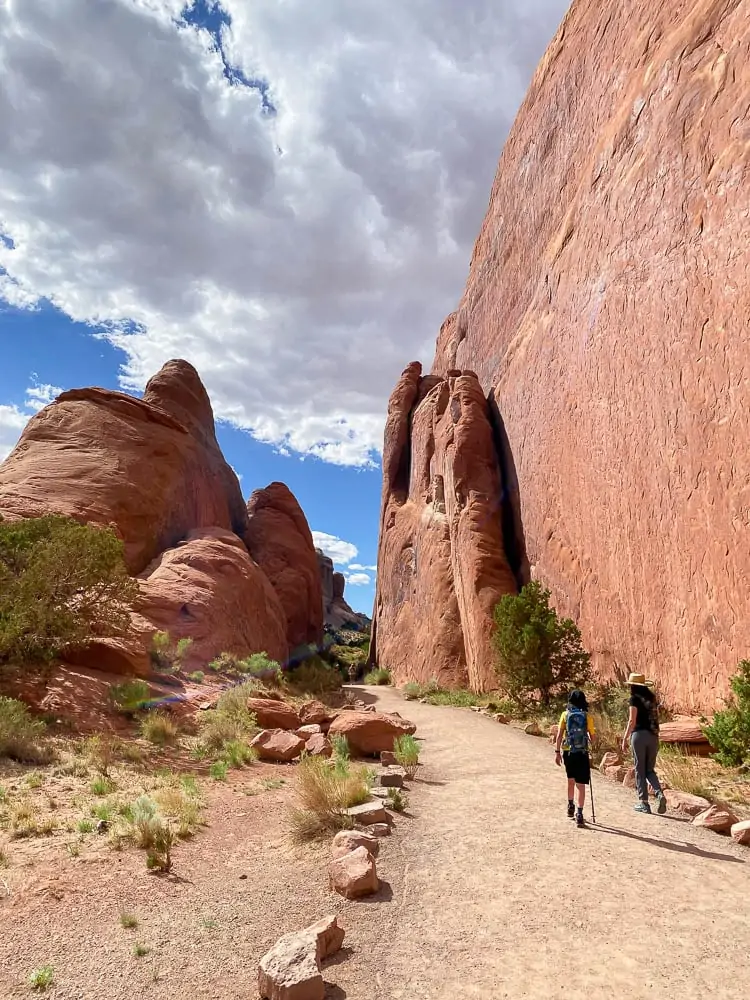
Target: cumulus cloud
358, 579
14, 418
366, 569
288, 200
39, 394
337, 549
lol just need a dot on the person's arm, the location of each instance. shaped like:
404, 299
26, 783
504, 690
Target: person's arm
630, 727
558, 741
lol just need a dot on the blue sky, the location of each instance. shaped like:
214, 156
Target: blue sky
285, 195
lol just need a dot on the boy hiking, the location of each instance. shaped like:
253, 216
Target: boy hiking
573, 737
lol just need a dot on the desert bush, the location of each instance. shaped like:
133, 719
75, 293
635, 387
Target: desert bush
102, 785
62, 584
21, 735
315, 676
41, 979
397, 801
324, 793
101, 751
685, 772
159, 728
218, 770
151, 832
539, 655
258, 666
232, 704
181, 805
130, 696
237, 753
197, 676
379, 676
128, 920
729, 730
166, 654
406, 750
341, 752
23, 820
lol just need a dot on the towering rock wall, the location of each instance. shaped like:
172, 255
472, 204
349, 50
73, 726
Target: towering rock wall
606, 315
441, 559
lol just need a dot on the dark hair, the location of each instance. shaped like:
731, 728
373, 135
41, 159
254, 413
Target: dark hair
642, 692
577, 699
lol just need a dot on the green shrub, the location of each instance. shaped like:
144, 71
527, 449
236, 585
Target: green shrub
128, 920
130, 696
729, 730
258, 666
323, 794
233, 705
236, 753
102, 785
397, 801
166, 654
315, 676
412, 691
539, 655
379, 676
406, 750
341, 752
197, 676
62, 584
42, 978
159, 728
21, 734
219, 770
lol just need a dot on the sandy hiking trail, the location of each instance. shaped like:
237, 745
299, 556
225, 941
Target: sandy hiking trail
488, 891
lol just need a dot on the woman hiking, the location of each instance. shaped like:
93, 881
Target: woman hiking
574, 735
642, 734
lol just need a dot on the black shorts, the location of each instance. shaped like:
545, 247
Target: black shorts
577, 767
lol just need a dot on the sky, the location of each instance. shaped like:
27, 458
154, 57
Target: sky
284, 193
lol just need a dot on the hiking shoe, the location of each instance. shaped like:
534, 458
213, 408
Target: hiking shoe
571, 810
580, 821
661, 799
643, 807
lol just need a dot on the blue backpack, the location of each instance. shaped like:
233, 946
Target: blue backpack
576, 730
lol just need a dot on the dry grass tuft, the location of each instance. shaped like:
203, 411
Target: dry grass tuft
325, 790
686, 772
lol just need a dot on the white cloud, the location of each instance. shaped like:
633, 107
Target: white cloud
340, 551
358, 579
300, 259
12, 422
366, 569
39, 394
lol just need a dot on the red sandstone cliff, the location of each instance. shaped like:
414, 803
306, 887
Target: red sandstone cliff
606, 317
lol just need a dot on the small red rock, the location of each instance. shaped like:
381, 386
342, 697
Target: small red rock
278, 744
319, 746
718, 818
354, 875
683, 802
741, 832
347, 841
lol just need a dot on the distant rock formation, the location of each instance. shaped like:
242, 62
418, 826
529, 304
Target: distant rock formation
441, 558
605, 314
279, 539
153, 470
336, 612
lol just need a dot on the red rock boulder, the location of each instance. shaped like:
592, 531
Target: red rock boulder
688, 733
315, 712
717, 817
685, 803
279, 539
354, 875
278, 745
272, 714
369, 733
347, 841
741, 832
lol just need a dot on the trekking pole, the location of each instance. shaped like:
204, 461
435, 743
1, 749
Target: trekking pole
591, 793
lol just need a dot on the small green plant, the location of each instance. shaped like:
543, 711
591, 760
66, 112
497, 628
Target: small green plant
219, 770
21, 735
341, 752
379, 676
167, 655
180, 803
411, 691
406, 750
128, 920
140, 950
232, 704
34, 779
159, 857
101, 751
729, 730
236, 753
159, 728
130, 696
42, 978
539, 655
102, 785
85, 826
272, 783
103, 811
209, 923
397, 801
152, 833
197, 677
23, 820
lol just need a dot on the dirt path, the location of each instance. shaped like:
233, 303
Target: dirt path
489, 891
501, 896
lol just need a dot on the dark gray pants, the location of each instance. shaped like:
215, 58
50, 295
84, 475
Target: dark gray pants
645, 748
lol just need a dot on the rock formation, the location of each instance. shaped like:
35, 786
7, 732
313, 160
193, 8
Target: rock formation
605, 315
441, 559
153, 470
336, 612
279, 539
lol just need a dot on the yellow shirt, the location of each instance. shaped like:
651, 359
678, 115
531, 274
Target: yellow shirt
563, 723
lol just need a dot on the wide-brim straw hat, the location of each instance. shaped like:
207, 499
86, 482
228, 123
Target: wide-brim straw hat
638, 679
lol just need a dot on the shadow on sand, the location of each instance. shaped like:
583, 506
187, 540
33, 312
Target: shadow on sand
669, 845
